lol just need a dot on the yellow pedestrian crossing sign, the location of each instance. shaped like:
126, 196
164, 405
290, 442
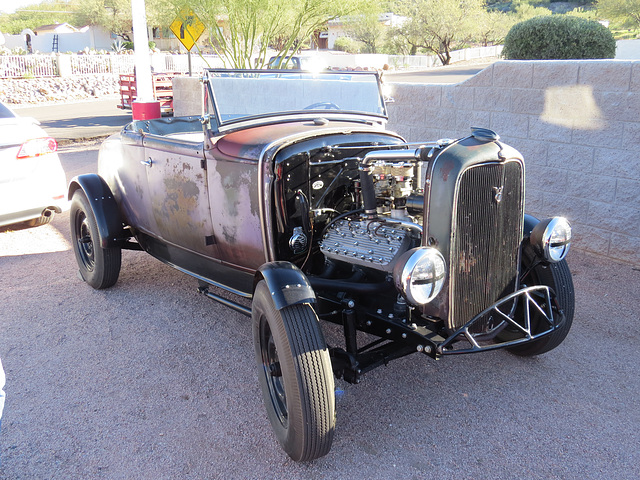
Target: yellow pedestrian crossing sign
187, 27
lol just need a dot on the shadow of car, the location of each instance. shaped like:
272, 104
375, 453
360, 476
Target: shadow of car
32, 182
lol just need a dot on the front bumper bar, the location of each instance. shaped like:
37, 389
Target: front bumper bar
523, 316
502, 328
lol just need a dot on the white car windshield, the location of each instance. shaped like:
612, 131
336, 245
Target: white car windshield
239, 95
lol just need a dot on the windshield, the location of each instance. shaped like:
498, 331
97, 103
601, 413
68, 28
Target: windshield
241, 94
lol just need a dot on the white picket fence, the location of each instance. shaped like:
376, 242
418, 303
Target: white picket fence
86, 64
426, 61
29, 66
180, 63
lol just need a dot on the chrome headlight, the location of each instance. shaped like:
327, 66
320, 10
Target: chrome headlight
419, 274
551, 238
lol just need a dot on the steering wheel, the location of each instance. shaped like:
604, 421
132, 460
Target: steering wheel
322, 106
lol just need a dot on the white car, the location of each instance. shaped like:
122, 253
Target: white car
33, 184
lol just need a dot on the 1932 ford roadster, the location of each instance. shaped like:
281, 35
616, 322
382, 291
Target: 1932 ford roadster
289, 191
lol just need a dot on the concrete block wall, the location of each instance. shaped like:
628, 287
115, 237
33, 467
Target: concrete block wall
577, 123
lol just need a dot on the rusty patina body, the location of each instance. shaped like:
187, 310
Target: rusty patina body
290, 192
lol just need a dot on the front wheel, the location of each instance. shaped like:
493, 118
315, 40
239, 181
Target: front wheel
98, 266
295, 375
557, 276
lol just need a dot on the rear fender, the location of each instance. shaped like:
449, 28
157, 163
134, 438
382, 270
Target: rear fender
104, 206
287, 284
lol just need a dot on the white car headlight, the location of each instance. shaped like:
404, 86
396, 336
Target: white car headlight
552, 238
419, 274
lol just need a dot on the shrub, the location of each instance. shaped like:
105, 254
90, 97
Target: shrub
346, 44
129, 45
558, 37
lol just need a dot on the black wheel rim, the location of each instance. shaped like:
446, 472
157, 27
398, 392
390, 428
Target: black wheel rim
273, 372
84, 241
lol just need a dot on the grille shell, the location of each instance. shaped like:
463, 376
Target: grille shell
486, 233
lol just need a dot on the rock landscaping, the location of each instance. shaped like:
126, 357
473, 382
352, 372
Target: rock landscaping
23, 91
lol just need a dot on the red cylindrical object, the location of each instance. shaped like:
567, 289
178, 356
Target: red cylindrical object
145, 110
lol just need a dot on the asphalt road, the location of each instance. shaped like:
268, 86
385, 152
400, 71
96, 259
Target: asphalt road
150, 380
448, 74
78, 121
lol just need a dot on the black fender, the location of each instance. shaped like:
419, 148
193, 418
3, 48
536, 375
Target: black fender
104, 206
287, 284
529, 222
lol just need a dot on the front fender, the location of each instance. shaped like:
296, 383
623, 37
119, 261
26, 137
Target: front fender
287, 284
529, 223
104, 206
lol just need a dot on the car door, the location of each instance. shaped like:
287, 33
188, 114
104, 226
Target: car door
178, 190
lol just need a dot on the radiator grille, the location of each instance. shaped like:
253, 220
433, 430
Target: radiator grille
487, 231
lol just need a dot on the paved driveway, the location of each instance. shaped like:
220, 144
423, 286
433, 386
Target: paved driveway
77, 121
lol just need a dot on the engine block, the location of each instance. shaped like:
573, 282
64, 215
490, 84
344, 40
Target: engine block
370, 243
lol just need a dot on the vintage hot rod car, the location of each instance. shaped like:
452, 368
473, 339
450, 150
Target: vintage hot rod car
289, 192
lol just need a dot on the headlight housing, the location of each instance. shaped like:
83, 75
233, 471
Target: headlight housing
419, 274
551, 238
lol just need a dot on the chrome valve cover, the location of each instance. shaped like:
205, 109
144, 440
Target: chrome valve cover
370, 243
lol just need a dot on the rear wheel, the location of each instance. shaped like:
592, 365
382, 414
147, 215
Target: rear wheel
295, 375
557, 276
98, 266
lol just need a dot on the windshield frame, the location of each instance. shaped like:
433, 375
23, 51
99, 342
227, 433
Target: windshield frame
212, 105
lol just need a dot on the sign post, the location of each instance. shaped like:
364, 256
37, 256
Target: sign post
188, 28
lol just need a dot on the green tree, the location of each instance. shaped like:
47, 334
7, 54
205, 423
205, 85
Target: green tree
347, 44
115, 15
581, 12
439, 26
492, 26
241, 31
525, 11
367, 29
625, 13
33, 16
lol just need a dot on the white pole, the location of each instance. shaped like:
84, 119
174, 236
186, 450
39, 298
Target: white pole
144, 84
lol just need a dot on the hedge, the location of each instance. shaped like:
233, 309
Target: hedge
558, 37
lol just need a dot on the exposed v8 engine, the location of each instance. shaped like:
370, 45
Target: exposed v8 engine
370, 243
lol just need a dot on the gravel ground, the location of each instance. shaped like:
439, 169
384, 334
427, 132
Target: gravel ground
150, 380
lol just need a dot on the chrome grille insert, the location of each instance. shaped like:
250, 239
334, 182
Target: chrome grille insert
486, 234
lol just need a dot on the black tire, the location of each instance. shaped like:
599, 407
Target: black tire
295, 375
557, 276
99, 267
